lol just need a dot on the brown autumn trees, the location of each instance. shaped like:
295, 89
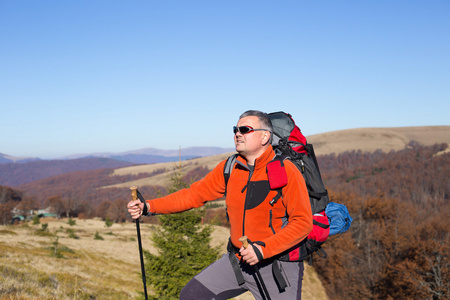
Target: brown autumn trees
398, 244
9, 198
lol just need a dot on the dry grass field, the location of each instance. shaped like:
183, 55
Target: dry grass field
371, 139
87, 268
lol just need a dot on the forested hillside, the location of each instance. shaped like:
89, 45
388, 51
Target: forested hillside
81, 194
396, 248
12, 174
398, 244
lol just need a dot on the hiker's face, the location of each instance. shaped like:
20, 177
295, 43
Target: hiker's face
252, 143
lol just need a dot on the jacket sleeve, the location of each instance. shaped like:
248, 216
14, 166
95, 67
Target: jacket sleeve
211, 187
298, 208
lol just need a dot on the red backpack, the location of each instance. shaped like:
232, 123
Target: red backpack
290, 143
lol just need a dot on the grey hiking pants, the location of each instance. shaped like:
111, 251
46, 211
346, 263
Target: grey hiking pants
218, 281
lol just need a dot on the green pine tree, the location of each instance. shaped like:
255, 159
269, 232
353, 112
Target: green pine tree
183, 248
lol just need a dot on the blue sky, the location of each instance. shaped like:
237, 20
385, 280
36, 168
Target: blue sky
112, 76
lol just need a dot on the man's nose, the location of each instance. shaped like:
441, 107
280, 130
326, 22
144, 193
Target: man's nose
238, 134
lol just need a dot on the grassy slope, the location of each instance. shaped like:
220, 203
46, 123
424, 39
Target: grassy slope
100, 269
104, 268
371, 139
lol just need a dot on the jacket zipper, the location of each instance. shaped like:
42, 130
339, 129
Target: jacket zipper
249, 189
270, 222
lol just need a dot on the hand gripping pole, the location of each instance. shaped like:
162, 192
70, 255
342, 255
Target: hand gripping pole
264, 293
135, 195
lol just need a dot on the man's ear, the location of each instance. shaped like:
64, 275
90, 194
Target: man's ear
266, 138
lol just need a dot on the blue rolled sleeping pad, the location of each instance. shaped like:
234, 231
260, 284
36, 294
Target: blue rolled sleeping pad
340, 219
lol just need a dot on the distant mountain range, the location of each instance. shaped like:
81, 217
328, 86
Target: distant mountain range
142, 156
5, 158
15, 171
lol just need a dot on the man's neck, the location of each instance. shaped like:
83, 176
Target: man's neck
251, 159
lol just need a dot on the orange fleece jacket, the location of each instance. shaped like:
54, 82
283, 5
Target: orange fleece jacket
248, 207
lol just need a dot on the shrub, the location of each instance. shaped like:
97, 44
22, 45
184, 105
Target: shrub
36, 220
97, 236
108, 222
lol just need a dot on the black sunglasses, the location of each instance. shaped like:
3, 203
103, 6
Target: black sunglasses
245, 129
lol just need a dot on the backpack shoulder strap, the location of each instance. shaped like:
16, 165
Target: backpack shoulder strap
229, 164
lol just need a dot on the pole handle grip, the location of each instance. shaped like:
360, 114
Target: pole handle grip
134, 192
244, 241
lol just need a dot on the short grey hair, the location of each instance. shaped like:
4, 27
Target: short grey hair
263, 119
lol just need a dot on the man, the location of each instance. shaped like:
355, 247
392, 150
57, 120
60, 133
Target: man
248, 197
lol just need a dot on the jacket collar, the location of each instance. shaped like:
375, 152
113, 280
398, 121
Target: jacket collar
261, 161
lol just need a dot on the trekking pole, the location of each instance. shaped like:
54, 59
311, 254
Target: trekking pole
245, 244
135, 195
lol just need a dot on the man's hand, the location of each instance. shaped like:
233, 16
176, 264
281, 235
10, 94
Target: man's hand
249, 255
135, 208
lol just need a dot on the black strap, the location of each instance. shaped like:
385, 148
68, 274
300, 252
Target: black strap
276, 198
320, 252
235, 263
279, 279
310, 259
140, 197
257, 252
324, 226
